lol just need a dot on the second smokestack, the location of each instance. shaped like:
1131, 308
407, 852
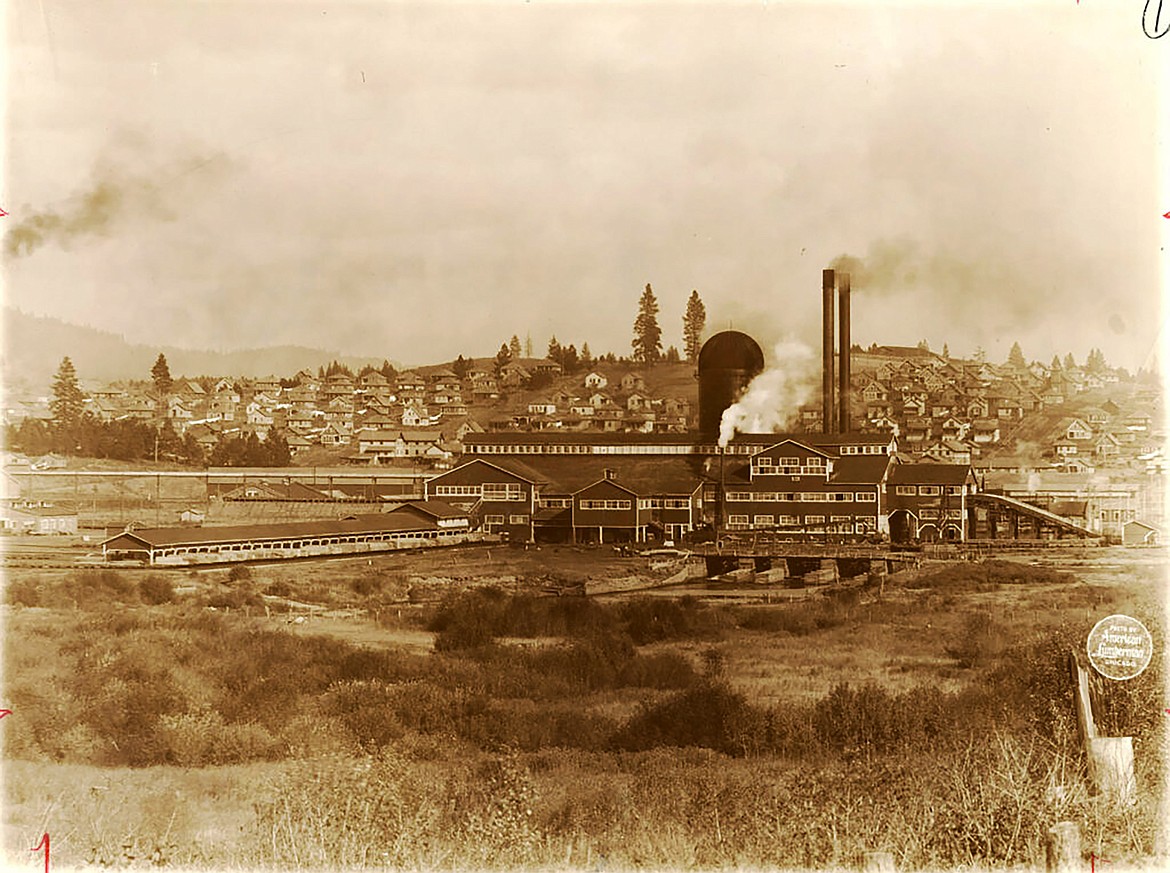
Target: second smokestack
844, 417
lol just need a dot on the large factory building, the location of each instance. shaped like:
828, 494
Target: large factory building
600, 487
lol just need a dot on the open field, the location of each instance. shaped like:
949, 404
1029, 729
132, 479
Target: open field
431, 710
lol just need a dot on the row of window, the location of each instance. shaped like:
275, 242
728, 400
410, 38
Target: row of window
298, 544
926, 490
642, 449
836, 523
643, 503
801, 496
499, 519
606, 504
789, 463
497, 491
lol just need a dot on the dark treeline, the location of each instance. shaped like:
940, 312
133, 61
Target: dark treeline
137, 440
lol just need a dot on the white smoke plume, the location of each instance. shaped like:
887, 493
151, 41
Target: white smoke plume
773, 399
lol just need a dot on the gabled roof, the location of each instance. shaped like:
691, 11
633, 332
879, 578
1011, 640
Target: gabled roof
434, 508
607, 480
792, 442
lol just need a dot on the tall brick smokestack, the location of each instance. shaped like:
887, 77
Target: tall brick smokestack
828, 408
844, 421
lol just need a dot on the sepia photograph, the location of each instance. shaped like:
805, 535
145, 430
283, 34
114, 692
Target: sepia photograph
544, 435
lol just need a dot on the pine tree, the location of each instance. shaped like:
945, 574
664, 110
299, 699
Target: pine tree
555, 351
68, 402
647, 334
1095, 363
694, 321
1016, 358
160, 373
569, 362
503, 357
514, 347
1070, 363
528, 345
1054, 367
671, 356
946, 352
586, 355
460, 366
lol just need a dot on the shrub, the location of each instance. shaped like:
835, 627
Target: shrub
239, 573
156, 590
982, 640
711, 716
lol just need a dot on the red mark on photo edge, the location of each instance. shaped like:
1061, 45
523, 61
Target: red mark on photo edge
1164, 214
1093, 859
4, 712
2, 212
43, 844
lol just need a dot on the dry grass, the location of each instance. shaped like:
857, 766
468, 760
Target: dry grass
853, 772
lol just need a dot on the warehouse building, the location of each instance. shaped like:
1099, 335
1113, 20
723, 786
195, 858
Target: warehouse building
411, 525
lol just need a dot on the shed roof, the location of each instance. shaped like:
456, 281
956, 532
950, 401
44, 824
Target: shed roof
181, 536
930, 474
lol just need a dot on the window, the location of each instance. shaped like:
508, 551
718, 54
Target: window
739, 496
763, 521
929, 513
814, 462
814, 519
905, 491
676, 503
865, 497
605, 504
457, 491
928, 490
841, 496
763, 461
493, 519
502, 491
737, 521
556, 502
790, 519
954, 489
517, 519
790, 462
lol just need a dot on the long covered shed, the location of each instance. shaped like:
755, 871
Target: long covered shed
406, 527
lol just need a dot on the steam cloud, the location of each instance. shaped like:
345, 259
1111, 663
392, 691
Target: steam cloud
774, 397
116, 199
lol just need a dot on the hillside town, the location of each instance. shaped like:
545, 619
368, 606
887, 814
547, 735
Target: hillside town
1061, 417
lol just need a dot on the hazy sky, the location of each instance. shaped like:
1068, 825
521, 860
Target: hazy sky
420, 181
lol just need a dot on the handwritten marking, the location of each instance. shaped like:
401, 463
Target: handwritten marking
1157, 22
2, 212
44, 843
4, 712
1093, 859
1164, 214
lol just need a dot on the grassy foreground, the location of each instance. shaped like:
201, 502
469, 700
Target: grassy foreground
565, 733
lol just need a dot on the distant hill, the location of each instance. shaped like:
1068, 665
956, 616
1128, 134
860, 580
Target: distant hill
34, 345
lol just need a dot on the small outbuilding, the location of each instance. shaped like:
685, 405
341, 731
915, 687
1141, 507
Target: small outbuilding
1138, 533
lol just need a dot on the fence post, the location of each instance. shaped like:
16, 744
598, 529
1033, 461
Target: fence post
1063, 850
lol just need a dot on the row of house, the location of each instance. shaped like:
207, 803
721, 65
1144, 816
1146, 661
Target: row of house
954, 411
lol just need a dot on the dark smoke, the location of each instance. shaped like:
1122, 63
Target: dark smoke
112, 202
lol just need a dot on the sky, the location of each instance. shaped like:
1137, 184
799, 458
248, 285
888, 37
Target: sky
417, 181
